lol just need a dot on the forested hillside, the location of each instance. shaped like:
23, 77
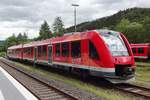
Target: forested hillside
134, 23
1, 46
1, 43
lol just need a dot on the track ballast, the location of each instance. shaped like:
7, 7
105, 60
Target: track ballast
35, 85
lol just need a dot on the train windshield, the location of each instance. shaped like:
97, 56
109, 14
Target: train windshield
115, 43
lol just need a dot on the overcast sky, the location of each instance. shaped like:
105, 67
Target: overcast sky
27, 15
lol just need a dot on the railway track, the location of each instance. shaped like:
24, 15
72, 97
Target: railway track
36, 86
134, 89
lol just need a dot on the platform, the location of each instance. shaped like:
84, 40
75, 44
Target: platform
11, 89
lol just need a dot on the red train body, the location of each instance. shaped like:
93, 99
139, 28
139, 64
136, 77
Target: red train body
141, 51
102, 53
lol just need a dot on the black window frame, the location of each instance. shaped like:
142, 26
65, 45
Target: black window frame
28, 51
140, 50
134, 50
65, 49
44, 50
57, 49
76, 49
39, 50
93, 53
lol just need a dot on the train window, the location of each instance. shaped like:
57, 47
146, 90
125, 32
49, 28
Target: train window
134, 50
140, 50
44, 50
76, 49
92, 51
17, 51
58, 49
39, 51
65, 49
28, 51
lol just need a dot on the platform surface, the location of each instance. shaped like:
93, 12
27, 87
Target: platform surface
11, 89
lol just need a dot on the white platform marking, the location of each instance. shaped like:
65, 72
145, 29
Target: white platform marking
1, 96
19, 87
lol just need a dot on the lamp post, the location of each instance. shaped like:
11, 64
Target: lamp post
75, 5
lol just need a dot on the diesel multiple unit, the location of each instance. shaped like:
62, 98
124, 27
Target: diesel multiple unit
102, 53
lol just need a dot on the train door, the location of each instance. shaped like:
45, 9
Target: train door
35, 54
49, 54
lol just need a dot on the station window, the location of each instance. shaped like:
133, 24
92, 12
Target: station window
140, 50
76, 49
58, 49
92, 51
65, 49
134, 50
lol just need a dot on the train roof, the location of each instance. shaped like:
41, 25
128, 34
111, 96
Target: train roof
65, 38
68, 37
140, 45
15, 46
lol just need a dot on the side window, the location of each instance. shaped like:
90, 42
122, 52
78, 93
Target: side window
149, 51
65, 49
134, 50
57, 49
29, 51
76, 49
140, 50
92, 51
39, 51
44, 53
17, 51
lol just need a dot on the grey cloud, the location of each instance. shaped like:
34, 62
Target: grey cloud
17, 2
29, 14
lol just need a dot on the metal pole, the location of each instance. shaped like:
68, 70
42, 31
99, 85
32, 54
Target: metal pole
75, 27
75, 19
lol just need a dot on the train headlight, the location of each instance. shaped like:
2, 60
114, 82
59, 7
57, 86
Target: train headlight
128, 70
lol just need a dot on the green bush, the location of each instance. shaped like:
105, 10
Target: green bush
2, 54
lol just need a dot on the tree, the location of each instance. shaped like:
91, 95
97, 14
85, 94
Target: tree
13, 40
25, 38
44, 31
146, 24
133, 31
58, 27
2, 46
21, 39
121, 27
10, 41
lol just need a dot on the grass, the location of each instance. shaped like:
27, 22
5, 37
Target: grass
143, 64
105, 94
143, 74
2, 54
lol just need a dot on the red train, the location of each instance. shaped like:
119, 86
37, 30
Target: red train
102, 53
141, 51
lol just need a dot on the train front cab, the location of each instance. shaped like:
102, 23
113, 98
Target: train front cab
91, 52
121, 55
